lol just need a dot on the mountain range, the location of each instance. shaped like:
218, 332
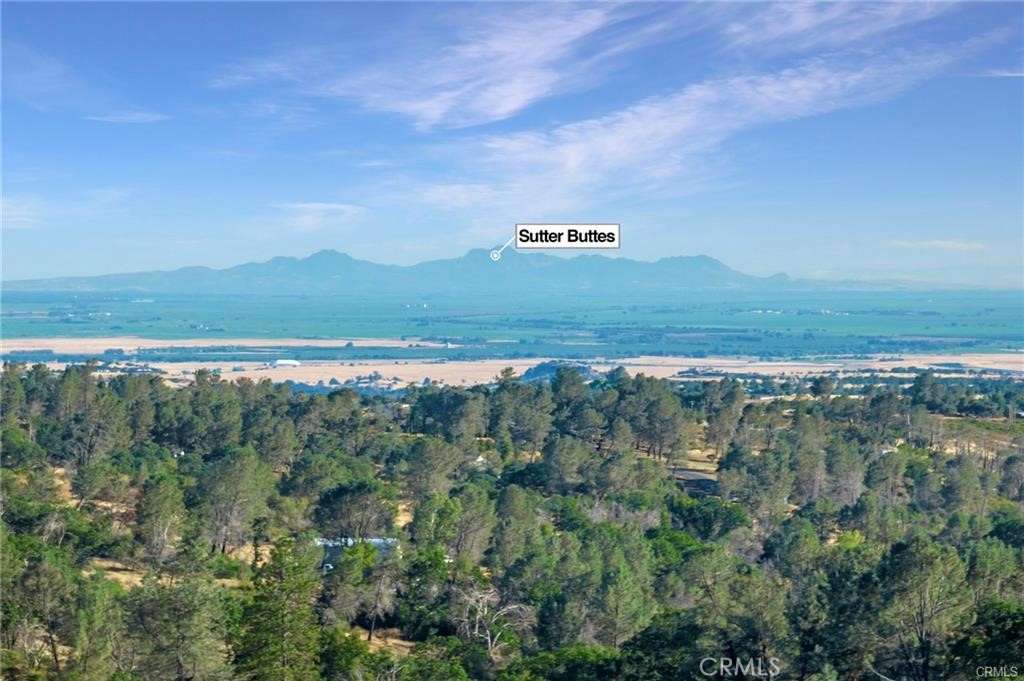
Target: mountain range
331, 272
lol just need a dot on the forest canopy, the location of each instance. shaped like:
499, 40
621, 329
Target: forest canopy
624, 528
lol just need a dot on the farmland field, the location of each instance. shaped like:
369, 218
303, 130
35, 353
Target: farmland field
706, 324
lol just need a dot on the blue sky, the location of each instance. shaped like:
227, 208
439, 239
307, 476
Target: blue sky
867, 141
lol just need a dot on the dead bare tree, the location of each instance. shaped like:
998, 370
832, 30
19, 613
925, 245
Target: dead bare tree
484, 616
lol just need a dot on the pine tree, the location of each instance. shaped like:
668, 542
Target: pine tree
159, 516
177, 630
234, 489
281, 639
99, 625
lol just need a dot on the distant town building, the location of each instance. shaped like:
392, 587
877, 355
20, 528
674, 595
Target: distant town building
285, 363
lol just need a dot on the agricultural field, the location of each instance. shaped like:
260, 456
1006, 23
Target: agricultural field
467, 328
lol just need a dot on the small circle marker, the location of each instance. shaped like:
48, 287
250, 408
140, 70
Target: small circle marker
496, 253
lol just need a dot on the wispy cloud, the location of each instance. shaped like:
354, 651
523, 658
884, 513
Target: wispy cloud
47, 83
661, 143
315, 216
804, 25
42, 81
286, 115
287, 66
128, 117
940, 245
1002, 73
101, 197
459, 195
496, 63
377, 163
19, 212
32, 211
494, 70
493, 62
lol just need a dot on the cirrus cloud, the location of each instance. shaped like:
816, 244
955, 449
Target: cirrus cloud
128, 117
957, 245
661, 144
317, 215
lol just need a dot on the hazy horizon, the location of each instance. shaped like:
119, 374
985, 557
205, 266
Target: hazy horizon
920, 284
826, 141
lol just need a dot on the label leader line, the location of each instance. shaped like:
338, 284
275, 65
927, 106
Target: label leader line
496, 254
567, 235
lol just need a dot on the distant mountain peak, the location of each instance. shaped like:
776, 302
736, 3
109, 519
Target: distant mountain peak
328, 254
329, 272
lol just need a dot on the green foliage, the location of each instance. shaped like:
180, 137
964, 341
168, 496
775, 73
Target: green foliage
358, 510
924, 588
159, 516
709, 518
432, 662
515, 531
342, 655
19, 449
280, 640
575, 663
996, 638
174, 631
233, 491
223, 566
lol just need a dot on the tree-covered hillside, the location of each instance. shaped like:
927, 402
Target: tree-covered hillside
628, 528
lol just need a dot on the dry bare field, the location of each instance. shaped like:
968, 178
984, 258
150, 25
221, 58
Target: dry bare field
402, 372
465, 372
668, 366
